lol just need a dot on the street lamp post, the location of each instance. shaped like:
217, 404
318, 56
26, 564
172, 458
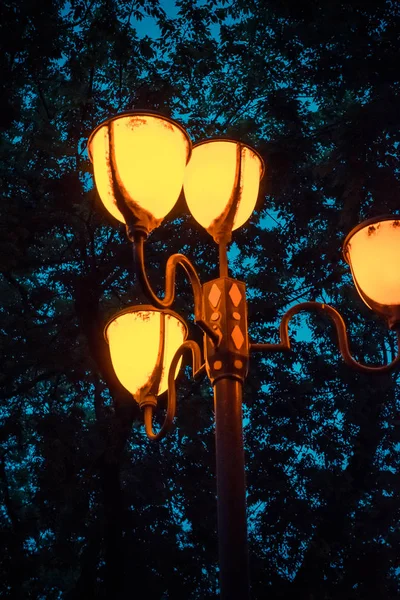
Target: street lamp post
141, 162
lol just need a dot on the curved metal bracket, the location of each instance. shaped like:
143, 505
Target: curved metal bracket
341, 332
197, 368
169, 296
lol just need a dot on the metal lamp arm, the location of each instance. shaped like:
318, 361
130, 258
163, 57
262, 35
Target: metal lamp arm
341, 332
169, 296
197, 368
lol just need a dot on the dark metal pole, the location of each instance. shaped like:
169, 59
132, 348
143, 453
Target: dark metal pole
231, 490
223, 259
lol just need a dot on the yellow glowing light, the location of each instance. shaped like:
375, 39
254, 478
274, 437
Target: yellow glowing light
373, 253
150, 153
134, 340
209, 183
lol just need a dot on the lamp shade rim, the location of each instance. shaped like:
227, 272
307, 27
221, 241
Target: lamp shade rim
362, 225
139, 113
145, 308
233, 141
390, 312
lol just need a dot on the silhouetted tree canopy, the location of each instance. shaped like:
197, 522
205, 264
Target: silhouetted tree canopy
89, 508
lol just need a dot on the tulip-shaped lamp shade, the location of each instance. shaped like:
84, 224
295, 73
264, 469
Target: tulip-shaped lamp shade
139, 162
221, 185
143, 341
372, 250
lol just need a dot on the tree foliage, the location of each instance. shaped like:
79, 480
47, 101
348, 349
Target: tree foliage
88, 507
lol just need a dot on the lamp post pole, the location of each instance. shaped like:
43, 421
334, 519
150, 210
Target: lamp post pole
231, 490
225, 311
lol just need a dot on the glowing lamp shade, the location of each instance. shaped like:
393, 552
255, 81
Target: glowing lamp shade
139, 161
143, 341
372, 250
221, 185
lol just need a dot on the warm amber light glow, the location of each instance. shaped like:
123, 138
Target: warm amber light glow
134, 339
210, 179
373, 253
150, 153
